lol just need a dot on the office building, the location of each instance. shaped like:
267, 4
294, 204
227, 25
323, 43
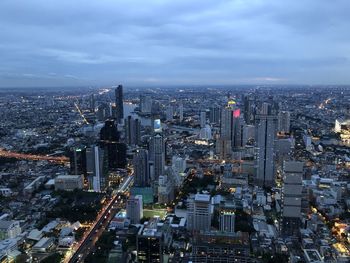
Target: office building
169, 113
203, 119
248, 113
199, 212
68, 182
114, 150
284, 121
145, 104
157, 154
266, 126
96, 169
181, 112
134, 209
151, 240
227, 221
132, 131
78, 160
292, 197
141, 168
119, 103
214, 115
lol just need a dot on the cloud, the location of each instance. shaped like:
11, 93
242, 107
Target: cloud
184, 41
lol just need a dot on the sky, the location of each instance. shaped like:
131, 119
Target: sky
52, 43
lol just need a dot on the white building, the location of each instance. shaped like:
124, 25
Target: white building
199, 212
134, 209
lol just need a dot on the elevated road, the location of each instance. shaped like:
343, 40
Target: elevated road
82, 249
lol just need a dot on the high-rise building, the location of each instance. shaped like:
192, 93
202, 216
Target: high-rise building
284, 121
214, 115
96, 169
134, 209
92, 103
141, 168
227, 221
169, 113
203, 119
115, 151
292, 197
248, 113
181, 111
199, 212
157, 154
132, 131
226, 127
145, 104
78, 160
119, 103
266, 126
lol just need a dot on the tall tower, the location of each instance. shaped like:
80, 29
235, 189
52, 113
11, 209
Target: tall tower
266, 127
157, 150
248, 110
141, 169
96, 170
203, 119
181, 111
119, 103
132, 131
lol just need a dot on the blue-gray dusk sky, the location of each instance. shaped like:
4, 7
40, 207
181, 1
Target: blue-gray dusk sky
178, 42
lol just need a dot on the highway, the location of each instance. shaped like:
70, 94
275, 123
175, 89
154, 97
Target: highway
82, 249
33, 157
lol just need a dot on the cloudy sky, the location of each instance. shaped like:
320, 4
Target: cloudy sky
178, 42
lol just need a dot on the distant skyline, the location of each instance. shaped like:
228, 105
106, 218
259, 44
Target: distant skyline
144, 43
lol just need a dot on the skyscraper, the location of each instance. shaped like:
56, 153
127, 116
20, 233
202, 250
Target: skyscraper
132, 131
248, 113
157, 153
266, 126
96, 169
78, 161
109, 139
119, 103
292, 197
203, 119
141, 168
181, 111
145, 104
214, 115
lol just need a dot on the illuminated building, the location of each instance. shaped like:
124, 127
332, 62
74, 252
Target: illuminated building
248, 113
78, 160
96, 169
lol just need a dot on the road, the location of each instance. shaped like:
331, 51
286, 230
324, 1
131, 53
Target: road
82, 249
33, 157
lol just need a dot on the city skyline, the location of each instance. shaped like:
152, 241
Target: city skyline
179, 43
